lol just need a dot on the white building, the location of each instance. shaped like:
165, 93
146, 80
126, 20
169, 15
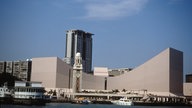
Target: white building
101, 71
119, 71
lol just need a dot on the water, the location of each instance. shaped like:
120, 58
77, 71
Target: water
68, 105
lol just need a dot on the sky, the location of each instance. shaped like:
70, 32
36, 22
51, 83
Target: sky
127, 33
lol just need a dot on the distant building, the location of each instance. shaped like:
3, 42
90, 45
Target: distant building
187, 89
101, 71
189, 78
2, 67
22, 70
116, 72
79, 41
19, 69
9, 67
187, 86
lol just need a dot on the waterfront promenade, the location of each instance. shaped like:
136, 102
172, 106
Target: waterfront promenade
138, 99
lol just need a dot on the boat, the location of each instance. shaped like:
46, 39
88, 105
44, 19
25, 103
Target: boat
4, 92
5, 95
123, 101
80, 101
86, 101
29, 93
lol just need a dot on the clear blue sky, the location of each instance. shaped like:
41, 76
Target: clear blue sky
127, 32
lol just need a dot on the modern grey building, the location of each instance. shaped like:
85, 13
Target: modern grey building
79, 41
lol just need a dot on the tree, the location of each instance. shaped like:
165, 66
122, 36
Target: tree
124, 90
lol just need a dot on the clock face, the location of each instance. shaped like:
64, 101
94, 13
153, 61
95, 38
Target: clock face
78, 74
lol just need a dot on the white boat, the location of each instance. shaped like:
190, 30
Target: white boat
28, 90
123, 101
4, 92
29, 93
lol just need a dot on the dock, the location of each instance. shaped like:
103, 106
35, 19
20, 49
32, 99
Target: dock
138, 99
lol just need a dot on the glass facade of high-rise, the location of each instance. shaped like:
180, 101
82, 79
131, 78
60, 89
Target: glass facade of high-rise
79, 41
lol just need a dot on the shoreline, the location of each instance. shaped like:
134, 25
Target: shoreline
43, 102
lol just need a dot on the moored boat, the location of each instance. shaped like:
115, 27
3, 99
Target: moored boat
31, 93
4, 92
5, 95
123, 101
85, 101
81, 101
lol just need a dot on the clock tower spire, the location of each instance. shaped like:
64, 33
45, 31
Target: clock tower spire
77, 74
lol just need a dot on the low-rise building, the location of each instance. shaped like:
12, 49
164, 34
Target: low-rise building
119, 71
187, 86
101, 71
188, 78
187, 89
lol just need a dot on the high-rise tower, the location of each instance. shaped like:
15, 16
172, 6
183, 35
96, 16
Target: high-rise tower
79, 41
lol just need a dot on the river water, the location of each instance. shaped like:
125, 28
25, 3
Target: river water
68, 105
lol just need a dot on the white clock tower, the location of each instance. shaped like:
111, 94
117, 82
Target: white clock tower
77, 74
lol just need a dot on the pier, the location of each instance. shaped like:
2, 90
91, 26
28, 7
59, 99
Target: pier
138, 99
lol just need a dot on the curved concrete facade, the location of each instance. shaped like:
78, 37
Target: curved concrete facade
161, 74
